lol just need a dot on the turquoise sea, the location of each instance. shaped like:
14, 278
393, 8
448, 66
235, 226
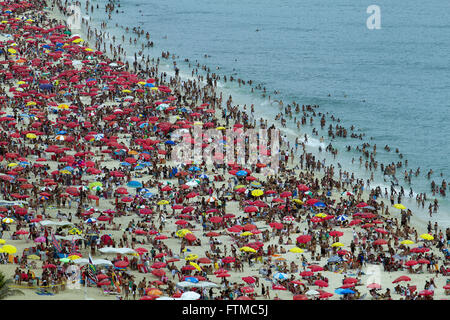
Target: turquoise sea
392, 84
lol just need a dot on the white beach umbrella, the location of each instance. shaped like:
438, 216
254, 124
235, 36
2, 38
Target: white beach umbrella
206, 284
280, 276
185, 284
190, 295
342, 218
116, 250
167, 298
312, 293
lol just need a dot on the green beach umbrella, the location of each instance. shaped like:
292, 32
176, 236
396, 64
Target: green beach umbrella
95, 184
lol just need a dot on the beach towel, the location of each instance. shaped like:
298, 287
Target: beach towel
44, 293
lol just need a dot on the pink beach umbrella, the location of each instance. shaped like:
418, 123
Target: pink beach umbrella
39, 239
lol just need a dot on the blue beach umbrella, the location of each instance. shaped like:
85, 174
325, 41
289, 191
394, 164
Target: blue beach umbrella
342, 218
46, 86
134, 184
170, 142
119, 152
344, 291
319, 204
191, 279
194, 169
335, 259
280, 276
241, 173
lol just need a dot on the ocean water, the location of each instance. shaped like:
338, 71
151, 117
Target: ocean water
392, 84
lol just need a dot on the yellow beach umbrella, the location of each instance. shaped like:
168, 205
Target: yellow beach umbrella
220, 128
162, 202
196, 266
321, 215
399, 206
191, 256
20, 82
33, 257
407, 242
78, 40
246, 234
154, 88
427, 236
11, 50
8, 220
297, 201
31, 103
2, 241
257, 193
88, 49
75, 231
182, 232
248, 249
31, 136
74, 257
296, 250
63, 106
338, 244
126, 91
12, 164
9, 249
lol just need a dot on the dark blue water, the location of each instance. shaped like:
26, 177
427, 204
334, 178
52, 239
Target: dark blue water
393, 84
